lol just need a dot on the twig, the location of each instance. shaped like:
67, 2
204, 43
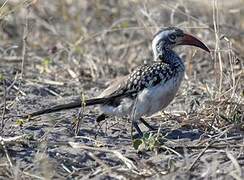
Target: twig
25, 3
215, 102
46, 81
189, 16
127, 162
10, 139
234, 162
5, 2
24, 39
81, 114
217, 52
6, 152
91, 139
200, 155
4, 103
66, 168
12, 85
11, 59
211, 142
99, 161
53, 92
33, 176
209, 147
172, 150
83, 40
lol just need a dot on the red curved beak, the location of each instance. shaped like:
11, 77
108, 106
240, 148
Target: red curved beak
192, 41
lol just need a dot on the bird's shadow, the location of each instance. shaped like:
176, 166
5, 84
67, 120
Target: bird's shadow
191, 134
176, 134
180, 133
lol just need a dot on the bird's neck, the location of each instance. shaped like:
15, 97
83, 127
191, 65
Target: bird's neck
174, 61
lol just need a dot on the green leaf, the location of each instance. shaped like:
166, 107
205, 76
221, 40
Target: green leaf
46, 61
146, 135
1, 77
136, 143
20, 122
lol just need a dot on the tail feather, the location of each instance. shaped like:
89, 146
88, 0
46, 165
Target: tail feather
75, 104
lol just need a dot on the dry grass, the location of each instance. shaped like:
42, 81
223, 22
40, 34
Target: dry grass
51, 50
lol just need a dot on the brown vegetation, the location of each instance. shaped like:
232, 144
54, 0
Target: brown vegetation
53, 50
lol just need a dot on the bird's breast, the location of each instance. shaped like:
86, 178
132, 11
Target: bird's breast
154, 99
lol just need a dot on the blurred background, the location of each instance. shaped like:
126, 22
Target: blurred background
51, 50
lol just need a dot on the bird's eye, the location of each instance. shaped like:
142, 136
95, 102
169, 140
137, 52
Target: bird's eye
172, 37
158, 47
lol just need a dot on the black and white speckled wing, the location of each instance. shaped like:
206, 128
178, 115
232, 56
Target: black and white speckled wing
145, 76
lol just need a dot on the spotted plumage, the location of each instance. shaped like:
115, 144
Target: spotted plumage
149, 75
145, 76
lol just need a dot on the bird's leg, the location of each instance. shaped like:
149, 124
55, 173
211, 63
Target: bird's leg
135, 125
147, 124
99, 119
134, 120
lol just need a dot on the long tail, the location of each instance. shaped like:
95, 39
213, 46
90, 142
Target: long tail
75, 104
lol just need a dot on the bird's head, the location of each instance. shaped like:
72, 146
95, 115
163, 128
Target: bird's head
168, 38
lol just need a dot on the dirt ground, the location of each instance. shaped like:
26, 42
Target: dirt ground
53, 51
